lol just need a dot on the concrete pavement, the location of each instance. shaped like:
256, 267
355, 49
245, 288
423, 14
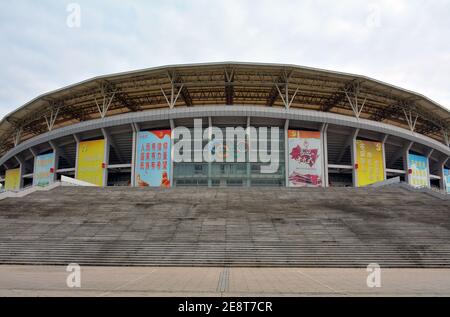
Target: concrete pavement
218, 281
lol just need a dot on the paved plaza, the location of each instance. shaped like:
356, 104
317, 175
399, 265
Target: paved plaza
220, 281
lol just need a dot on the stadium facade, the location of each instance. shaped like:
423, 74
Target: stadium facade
332, 129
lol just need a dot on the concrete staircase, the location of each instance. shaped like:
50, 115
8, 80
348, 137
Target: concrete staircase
335, 227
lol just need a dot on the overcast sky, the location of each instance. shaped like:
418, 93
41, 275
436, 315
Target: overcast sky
402, 42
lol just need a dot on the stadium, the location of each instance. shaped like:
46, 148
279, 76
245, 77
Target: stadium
344, 109
363, 171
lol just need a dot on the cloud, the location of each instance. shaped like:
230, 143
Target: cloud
401, 42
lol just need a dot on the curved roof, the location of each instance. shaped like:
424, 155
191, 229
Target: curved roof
272, 85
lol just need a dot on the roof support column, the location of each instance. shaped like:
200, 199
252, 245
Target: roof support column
383, 142
135, 128
209, 142
172, 165
35, 154
286, 153
405, 151
77, 142
249, 164
428, 166
105, 158
324, 150
353, 155
21, 170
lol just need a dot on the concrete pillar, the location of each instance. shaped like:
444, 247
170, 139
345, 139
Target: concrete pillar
21, 170
172, 165
324, 151
209, 140
106, 157
133, 156
34, 153
441, 173
135, 128
406, 149
383, 142
353, 155
77, 142
249, 164
286, 153
428, 166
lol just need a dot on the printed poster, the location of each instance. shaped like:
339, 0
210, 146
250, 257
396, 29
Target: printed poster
418, 165
12, 179
42, 169
305, 159
153, 159
369, 156
91, 155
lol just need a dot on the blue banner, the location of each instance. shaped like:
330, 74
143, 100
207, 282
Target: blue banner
153, 159
418, 165
43, 169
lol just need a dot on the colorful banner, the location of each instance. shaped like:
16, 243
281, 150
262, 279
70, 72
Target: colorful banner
43, 164
12, 179
305, 159
447, 180
418, 165
153, 159
369, 157
91, 155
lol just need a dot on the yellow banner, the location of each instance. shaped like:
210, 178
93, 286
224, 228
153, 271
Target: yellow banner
369, 157
91, 156
12, 179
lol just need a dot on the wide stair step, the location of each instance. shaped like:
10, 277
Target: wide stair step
252, 227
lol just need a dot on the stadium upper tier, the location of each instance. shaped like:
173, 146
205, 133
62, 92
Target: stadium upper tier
273, 86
